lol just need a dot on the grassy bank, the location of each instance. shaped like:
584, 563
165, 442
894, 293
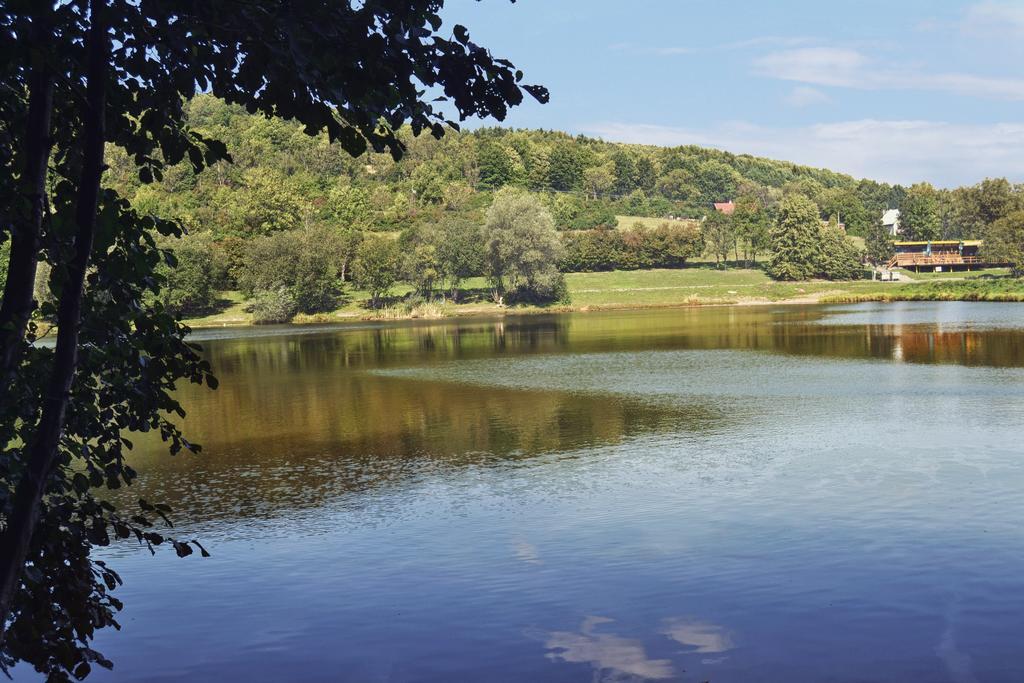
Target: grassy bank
941, 289
694, 286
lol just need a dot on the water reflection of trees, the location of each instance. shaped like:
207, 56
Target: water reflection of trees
299, 419
781, 330
294, 424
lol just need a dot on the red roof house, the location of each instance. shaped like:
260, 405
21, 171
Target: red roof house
725, 207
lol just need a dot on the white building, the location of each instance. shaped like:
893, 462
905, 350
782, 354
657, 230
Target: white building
891, 221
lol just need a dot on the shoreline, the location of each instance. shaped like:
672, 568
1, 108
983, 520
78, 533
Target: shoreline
837, 296
639, 290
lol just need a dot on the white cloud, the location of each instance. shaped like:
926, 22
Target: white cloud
848, 68
803, 96
989, 19
903, 151
840, 67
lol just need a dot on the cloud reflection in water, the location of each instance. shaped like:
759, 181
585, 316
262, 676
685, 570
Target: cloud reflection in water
614, 658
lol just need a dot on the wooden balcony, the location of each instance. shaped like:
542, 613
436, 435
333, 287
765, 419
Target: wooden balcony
931, 260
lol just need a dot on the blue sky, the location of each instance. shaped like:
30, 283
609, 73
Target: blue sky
901, 91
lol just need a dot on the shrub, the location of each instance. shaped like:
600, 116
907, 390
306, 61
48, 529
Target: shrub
670, 245
840, 258
273, 306
548, 287
577, 213
676, 242
588, 251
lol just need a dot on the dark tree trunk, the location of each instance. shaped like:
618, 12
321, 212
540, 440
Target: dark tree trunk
21, 270
42, 456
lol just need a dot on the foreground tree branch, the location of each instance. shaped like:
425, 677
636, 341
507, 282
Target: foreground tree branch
14, 541
358, 72
28, 218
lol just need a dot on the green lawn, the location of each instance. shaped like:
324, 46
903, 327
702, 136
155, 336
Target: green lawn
664, 287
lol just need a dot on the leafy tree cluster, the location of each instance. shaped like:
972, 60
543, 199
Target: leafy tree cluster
669, 245
970, 212
803, 247
377, 267
1005, 242
442, 255
305, 264
282, 178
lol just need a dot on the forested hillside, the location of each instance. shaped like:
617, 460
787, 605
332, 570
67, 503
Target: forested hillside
282, 178
293, 218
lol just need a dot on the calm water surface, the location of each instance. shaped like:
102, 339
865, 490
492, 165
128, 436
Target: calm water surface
724, 494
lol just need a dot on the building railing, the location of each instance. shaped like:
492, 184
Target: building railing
933, 259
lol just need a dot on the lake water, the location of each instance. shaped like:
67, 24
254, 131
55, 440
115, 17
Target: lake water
725, 494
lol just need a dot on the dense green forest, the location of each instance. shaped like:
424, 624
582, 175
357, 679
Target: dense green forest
293, 218
282, 178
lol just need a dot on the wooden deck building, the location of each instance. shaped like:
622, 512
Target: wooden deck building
939, 255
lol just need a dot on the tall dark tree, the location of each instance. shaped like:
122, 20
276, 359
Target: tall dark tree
625, 172
795, 240
118, 72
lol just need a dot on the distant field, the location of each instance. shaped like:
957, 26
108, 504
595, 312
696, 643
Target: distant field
627, 222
